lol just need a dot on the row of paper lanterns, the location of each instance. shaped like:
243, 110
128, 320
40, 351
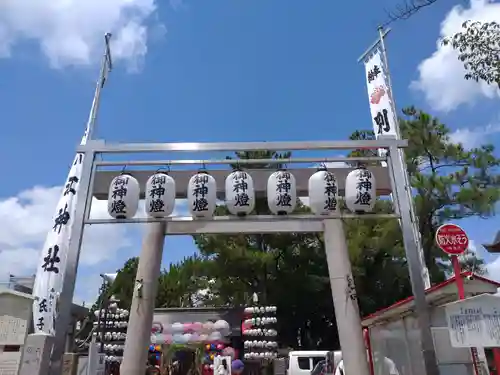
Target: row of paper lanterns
113, 323
116, 314
260, 332
260, 321
160, 192
260, 355
260, 309
112, 336
260, 344
113, 348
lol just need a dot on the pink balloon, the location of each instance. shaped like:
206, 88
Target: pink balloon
197, 326
168, 339
220, 346
187, 327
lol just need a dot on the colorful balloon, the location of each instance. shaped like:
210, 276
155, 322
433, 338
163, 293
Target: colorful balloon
197, 327
229, 352
237, 366
178, 339
215, 336
208, 327
177, 327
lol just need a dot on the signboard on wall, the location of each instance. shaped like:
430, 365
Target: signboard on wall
12, 330
474, 322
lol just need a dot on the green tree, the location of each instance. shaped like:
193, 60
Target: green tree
123, 286
449, 183
184, 284
478, 47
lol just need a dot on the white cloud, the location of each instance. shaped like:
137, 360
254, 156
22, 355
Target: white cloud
494, 269
71, 32
441, 76
474, 137
25, 220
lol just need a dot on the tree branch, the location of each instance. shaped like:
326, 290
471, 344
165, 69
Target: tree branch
406, 10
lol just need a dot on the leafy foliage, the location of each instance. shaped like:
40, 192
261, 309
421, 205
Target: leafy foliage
184, 284
123, 286
478, 46
450, 182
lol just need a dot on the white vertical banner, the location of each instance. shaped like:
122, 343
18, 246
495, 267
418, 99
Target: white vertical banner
52, 264
379, 95
385, 122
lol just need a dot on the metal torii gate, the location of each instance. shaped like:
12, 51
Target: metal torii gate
95, 183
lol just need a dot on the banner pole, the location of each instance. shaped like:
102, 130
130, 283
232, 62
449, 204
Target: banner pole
387, 125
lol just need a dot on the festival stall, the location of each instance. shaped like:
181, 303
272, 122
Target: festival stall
191, 347
394, 335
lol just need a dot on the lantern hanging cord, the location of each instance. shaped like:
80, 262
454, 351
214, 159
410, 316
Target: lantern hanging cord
166, 167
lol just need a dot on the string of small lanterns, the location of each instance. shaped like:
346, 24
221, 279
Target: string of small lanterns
257, 323
124, 190
114, 323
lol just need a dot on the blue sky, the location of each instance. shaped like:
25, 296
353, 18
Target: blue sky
211, 70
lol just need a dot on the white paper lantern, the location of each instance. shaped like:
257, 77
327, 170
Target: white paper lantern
281, 192
360, 191
160, 195
202, 195
323, 192
123, 197
240, 193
